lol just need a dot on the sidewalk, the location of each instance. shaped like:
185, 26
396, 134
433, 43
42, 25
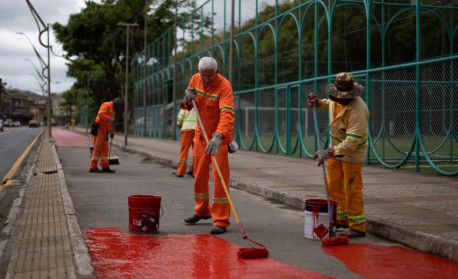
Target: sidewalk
417, 210
420, 211
48, 241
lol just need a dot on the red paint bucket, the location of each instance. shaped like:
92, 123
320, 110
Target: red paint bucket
316, 214
144, 213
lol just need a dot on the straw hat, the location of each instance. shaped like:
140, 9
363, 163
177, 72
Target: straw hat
344, 87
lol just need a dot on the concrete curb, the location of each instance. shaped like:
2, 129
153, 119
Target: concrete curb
82, 260
418, 240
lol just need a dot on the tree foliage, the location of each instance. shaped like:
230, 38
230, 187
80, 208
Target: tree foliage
96, 44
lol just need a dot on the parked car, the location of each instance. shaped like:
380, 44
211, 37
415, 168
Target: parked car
1, 125
33, 123
8, 123
17, 123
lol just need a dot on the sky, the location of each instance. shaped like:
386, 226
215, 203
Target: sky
15, 16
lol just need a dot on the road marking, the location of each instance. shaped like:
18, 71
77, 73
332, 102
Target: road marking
7, 179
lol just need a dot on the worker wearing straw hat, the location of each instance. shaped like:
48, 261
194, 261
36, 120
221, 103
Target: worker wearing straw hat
348, 130
213, 96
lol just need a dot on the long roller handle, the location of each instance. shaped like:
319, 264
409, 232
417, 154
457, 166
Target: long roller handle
323, 166
215, 164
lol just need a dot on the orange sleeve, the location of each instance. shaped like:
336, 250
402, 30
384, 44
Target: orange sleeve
105, 111
227, 112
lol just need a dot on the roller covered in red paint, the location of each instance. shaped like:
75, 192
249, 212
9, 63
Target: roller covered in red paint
335, 241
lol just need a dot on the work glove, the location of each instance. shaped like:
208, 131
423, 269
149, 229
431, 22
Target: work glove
313, 100
214, 144
323, 155
110, 119
112, 135
233, 147
189, 95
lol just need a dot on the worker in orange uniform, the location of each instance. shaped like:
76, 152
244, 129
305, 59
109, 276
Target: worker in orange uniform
214, 99
348, 130
187, 121
104, 119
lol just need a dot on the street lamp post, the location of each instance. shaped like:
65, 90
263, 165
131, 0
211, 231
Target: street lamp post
87, 101
44, 28
126, 115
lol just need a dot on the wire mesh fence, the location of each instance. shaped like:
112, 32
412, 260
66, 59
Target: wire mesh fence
404, 52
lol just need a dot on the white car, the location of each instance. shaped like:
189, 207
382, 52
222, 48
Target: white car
8, 123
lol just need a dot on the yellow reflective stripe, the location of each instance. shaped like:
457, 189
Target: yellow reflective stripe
102, 158
357, 219
342, 213
201, 196
182, 160
189, 120
102, 111
334, 138
207, 95
229, 108
352, 135
220, 200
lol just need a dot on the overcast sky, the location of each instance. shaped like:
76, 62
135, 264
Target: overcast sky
15, 16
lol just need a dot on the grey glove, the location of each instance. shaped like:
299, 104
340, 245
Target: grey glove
233, 147
323, 155
110, 119
214, 144
189, 95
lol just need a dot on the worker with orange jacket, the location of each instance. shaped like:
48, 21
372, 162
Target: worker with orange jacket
103, 121
214, 99
348, 130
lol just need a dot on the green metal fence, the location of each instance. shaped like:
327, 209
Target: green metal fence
404, 53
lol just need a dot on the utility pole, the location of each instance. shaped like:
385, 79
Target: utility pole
144, 68
126, 96
87, 101
175, 73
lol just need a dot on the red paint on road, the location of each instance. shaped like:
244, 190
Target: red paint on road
69, 139
116, 254
374, 261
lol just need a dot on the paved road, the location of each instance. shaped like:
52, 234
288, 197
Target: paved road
100, 201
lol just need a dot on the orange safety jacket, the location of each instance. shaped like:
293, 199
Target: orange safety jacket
216, 107
106, 111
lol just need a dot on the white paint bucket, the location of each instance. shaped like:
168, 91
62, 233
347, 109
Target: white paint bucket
316, 214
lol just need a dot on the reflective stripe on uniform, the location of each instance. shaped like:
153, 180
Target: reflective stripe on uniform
207, 95
357, 219
343, 213
182, 160
201, 196
220, 200
229, 108
100, 157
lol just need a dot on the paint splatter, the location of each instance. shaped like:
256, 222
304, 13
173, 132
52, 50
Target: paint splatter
116, 254
374, 261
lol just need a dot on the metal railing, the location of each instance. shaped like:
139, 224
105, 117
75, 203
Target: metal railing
404, 54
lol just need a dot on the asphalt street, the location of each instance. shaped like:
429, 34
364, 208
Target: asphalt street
100, 201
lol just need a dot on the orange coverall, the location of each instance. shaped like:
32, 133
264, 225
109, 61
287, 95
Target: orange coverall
100, 151
216, 108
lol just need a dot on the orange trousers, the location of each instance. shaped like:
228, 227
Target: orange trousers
220, 208
187, 137
100, 151
345, 186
